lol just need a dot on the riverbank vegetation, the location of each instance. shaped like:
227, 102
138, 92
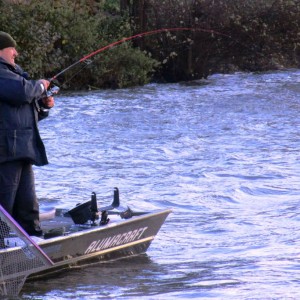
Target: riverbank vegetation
226, 36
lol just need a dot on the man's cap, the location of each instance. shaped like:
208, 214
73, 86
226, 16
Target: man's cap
6, 40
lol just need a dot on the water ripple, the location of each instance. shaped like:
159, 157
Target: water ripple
223, 153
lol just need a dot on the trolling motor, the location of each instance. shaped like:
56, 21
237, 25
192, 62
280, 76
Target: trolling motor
95, 213
88, 211
94, 209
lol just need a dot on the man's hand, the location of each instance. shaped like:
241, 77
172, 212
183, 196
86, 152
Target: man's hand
45, 83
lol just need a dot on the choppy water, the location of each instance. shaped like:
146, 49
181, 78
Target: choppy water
223, 153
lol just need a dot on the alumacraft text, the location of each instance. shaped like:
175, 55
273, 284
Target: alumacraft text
115, 240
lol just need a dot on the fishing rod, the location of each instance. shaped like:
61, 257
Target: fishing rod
55, 89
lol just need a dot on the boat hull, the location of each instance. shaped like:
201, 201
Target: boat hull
117, 239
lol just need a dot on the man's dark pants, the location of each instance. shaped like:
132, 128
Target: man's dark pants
17, 194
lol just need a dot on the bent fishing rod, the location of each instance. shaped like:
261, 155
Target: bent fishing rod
55, 89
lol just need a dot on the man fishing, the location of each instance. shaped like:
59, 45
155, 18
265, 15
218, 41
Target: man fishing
23, 102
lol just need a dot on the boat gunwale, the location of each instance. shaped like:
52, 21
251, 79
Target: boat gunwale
48, 242
45, 242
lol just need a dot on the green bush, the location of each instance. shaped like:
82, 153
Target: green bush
256, 35
53, 35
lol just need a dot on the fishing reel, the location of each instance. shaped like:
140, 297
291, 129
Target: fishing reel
53, 91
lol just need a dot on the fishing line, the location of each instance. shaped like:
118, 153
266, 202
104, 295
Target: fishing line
123, 40
86, 64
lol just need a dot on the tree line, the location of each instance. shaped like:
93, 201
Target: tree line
226, 36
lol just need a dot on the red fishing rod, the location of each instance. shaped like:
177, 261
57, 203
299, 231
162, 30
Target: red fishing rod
85, 58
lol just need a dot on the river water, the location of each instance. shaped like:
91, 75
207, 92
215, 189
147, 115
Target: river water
223, 153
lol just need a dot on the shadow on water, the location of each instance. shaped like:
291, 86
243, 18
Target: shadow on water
134, 277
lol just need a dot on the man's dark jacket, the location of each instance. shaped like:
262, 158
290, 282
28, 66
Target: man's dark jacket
19, 115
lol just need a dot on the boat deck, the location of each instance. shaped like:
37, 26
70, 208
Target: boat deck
58, 222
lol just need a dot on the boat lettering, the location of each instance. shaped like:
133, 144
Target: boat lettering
115, 240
